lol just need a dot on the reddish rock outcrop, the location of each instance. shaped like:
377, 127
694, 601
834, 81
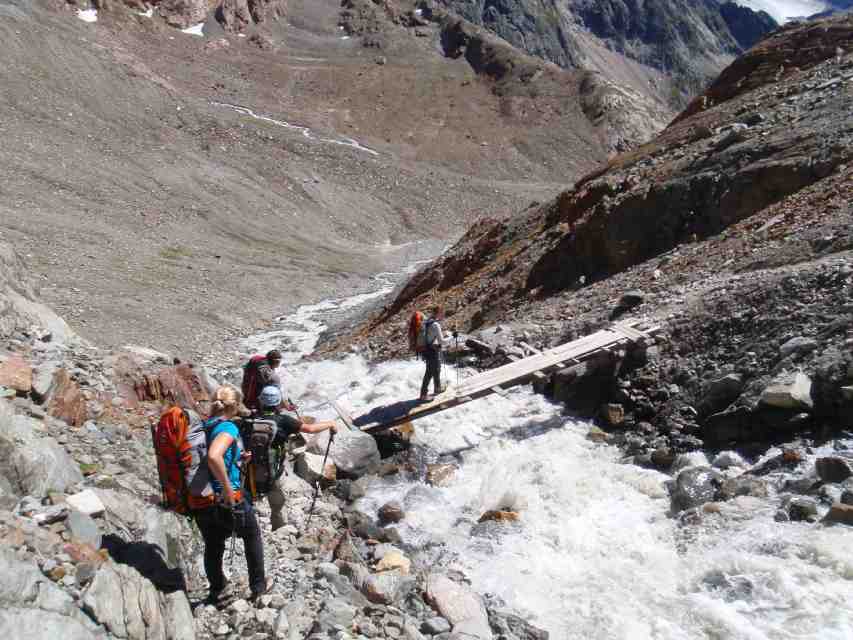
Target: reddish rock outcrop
67, 401
17, 374
182, 384
236, 15
183, 13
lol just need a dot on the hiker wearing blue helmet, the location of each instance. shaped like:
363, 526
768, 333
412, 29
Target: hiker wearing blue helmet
266, 434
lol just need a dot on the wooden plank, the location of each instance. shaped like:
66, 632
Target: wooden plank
344, 414
495, 381
629, 331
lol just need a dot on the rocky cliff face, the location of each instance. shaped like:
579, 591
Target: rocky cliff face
689, 41
20, 310
731, 229
234, 15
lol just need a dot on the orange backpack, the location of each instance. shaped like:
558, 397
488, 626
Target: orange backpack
180, 443
415, 323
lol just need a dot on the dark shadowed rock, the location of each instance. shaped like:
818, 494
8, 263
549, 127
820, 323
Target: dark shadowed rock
694, 487
840, 514
720, 393
391, 512
833, 469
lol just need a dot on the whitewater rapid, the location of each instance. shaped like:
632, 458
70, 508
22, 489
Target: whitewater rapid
596, 555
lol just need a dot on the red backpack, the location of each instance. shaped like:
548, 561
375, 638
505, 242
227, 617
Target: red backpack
180, 443
415, 324
249, 386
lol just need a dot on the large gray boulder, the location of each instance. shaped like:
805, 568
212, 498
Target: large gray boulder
354, 453
789, 392
124, 602
42, 625
461, 606
28, 600
33, 465
694, 487
180, 624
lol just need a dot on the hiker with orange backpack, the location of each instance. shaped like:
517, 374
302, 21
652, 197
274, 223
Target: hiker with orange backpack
231, 514
258, 373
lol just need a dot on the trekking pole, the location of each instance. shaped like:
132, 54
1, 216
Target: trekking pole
295, 408
456, 338
233, 541
317, 486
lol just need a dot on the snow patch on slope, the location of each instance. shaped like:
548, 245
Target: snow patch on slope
784, 10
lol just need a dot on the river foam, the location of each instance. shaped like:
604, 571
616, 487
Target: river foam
596, 553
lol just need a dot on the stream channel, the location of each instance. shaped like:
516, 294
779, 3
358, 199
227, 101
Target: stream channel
596, 554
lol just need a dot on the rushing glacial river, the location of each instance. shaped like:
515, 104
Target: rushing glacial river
596, 554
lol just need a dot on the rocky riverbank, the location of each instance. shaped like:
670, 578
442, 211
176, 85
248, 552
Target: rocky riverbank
86, 552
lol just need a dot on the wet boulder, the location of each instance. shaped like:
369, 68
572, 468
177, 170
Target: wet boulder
802, 508
840, 514
440, 475
728, 459
391, 512
833, 469
499, 516
695, 486
743, 485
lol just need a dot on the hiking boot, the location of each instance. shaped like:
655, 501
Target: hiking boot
222, 597
266, 589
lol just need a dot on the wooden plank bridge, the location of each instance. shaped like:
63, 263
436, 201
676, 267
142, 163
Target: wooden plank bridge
495, 381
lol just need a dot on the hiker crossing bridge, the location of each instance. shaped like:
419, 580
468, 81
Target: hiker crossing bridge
496, 381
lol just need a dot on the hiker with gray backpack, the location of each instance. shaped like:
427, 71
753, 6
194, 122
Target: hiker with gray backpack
430, 344
265, 435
